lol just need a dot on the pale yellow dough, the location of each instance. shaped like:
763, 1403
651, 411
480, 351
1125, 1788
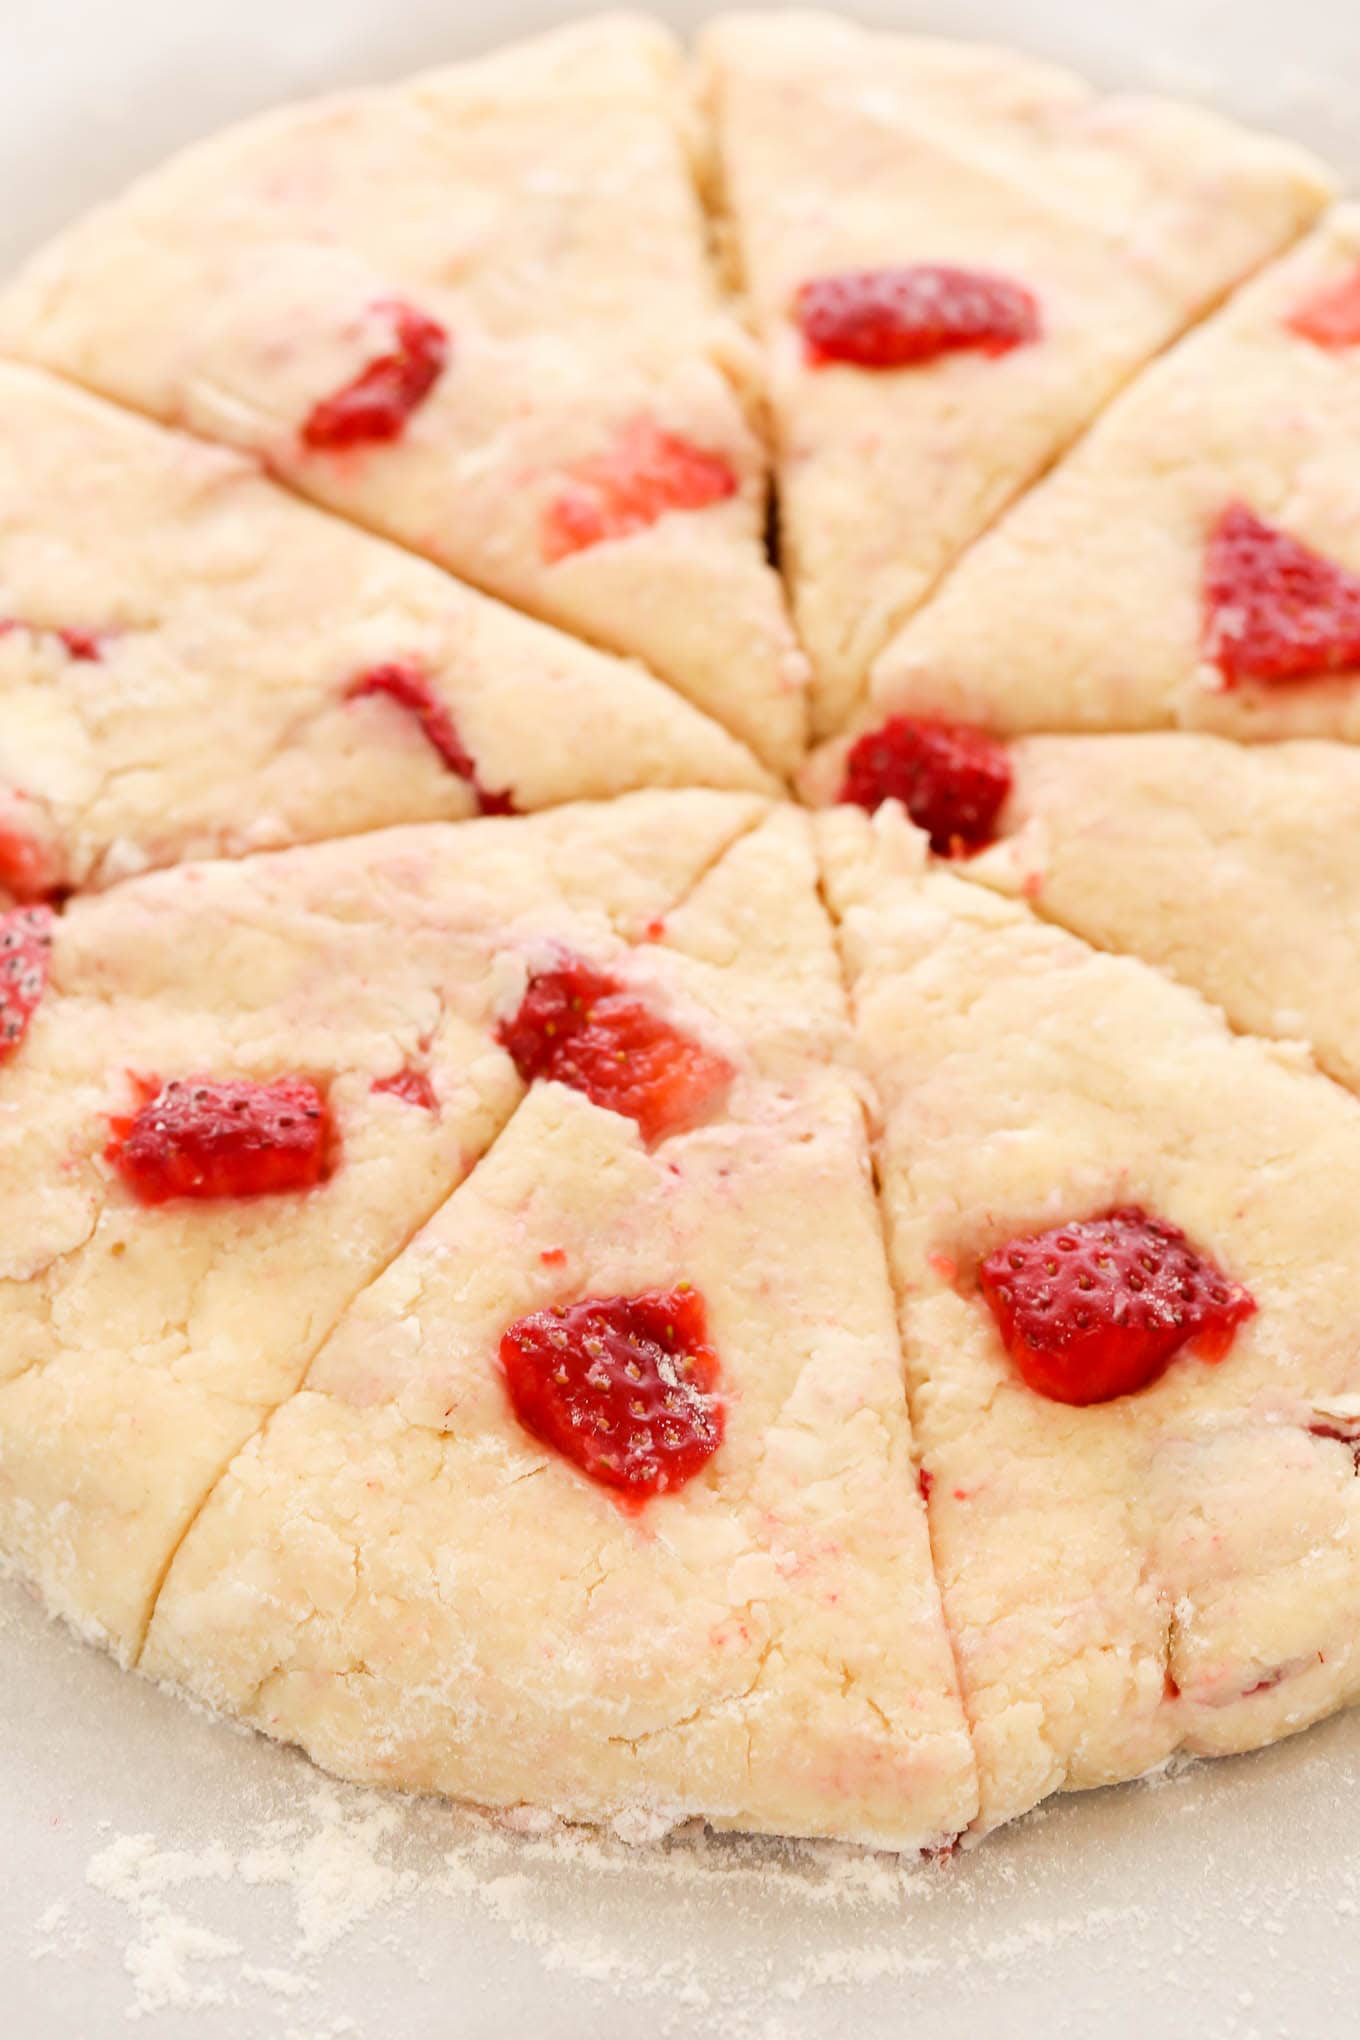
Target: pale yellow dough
1083, 609
263, 1449
1235, 867
140, 1348
1179, 1569
397, 1576
231, 622
539, 204
843, 149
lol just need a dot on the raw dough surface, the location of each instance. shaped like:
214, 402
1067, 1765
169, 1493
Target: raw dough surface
262, 1447
843, 149
230, 623
140, 1348
1232, 866
1083, 610
400, 1578
538, 203
1180, 1568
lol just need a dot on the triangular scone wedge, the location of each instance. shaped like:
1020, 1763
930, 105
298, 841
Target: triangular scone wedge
843, 150
1178, 1568
521, 240
1235, 867
1087, 607
399, 1577
141, 1345
193, 663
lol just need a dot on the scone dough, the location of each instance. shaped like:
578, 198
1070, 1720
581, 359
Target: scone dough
1084, 608
539, 205
1180, 1568
841, 149
1232, 866
140, 1347
397, 1576
259, 1443
230, 624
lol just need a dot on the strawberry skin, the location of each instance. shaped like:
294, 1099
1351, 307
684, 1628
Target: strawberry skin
25, 964
622, 1386
408, 688
1100, 1308
374, 407
648, 473
211, 1138
952, 779
583, 1028
1275, 609
904, 317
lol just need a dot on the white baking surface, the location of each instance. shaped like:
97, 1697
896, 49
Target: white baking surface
167, 1872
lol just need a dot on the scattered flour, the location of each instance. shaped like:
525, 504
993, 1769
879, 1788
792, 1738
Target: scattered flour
331, 1861
717, 1935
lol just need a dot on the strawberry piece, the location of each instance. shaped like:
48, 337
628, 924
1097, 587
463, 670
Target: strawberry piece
79, 644
646, 474
375, 406
1332, 317
1100, 1308
210, 1137
409, 689
412, 1086
952, 779
579, 1027
26, 871
900, 318
25, 964
622, 1386
1274, 609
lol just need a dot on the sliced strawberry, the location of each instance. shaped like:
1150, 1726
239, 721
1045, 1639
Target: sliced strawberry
1331, 318
1100, 1308
412, 1086
375, 406
580, 1027
952, 779
900, 318
625, 1387
212, 1137
25, 964
408, 687
1274, 609
646, 474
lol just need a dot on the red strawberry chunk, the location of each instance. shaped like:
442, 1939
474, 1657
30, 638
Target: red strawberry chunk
410, 690
646, 474
1274, 609
577, 1026
952, 780
211, 1137
28, 870
375, 406
79, 644
412, 1086
1332, 317
622, 1386
25, 964
900, 318
1100, 1308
